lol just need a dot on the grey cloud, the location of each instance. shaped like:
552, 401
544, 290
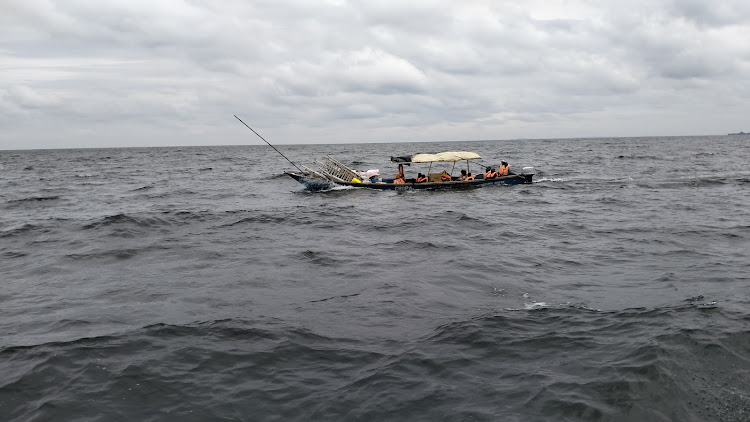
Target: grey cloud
29, 98
722, 13
388, 67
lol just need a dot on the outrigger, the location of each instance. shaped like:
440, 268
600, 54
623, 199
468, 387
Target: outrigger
331, 173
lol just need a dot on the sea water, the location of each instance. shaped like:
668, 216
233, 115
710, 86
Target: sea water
201, 283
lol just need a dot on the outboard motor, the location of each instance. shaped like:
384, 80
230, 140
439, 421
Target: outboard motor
527, 173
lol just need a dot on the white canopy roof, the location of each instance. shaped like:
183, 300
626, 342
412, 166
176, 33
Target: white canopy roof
448, 156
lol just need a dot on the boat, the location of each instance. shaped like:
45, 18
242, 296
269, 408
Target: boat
332, 173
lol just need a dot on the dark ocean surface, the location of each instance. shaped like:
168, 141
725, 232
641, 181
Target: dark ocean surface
202, 284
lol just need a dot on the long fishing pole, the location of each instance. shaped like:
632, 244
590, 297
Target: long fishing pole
269, 144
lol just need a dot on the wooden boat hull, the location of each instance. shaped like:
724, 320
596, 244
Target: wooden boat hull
320, 184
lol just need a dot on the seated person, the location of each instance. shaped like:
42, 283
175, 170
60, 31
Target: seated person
504, 169
399, 180
463, 175
445, 177
470, 176
489, 173
373, 175
421, 178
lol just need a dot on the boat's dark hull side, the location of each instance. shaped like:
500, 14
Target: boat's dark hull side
317, 184
312, 183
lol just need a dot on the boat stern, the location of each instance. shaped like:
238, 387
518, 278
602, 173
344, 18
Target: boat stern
528, 174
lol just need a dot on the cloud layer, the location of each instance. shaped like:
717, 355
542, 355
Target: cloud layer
84, 73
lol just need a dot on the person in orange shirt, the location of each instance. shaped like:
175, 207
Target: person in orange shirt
504, 169
399, 180
421, 178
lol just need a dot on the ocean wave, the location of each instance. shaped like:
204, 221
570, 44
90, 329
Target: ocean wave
125, 220
319, 258
13, 254
23, 229
34, 199
418, 245
647, 158
565, 363
260, 219
553, 179
277, 176
252, 296
120, 254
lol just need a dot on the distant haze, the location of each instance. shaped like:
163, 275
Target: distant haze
91, 73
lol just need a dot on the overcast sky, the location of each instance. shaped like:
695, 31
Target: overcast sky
93, 73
